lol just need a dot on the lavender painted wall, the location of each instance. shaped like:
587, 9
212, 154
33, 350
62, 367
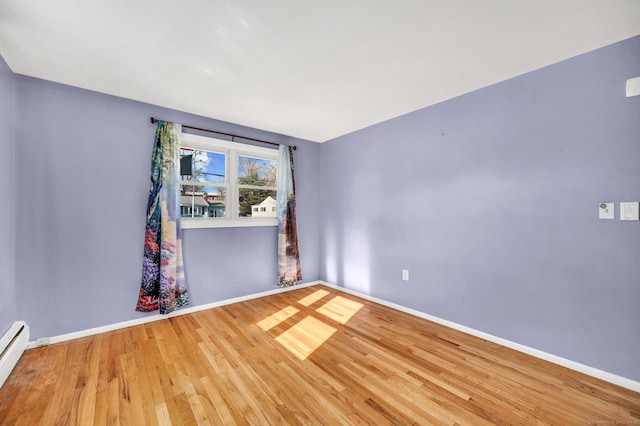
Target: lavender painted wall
491, 201
7, 195
82, 181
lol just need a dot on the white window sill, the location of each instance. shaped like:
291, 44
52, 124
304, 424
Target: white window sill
186, 223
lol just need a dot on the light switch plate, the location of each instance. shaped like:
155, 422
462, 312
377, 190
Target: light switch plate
633, 87
630, 211
607, 211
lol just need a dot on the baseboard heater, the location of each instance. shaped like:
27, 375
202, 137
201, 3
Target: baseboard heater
12, 345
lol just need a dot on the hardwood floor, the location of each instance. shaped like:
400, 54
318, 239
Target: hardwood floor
310, 356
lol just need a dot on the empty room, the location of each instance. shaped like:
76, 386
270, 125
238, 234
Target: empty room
320, 212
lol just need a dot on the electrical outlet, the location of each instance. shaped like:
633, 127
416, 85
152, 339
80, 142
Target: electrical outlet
405, 275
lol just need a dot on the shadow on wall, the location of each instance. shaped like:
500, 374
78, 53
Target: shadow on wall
356, 272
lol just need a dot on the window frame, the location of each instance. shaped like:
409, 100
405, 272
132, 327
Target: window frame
232, 151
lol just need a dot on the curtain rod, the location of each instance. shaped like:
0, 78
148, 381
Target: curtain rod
155, 120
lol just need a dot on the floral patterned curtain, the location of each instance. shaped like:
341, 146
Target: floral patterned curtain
163, 284
288, 256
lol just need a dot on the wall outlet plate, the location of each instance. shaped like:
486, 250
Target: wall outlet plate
607, 211
405, 275
633, 87
630, 211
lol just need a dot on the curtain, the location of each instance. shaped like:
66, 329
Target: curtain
288, 256
163, 283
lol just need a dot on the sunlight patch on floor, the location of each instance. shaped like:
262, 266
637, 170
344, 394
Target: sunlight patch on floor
313, 297
340, 309
305, 337
308, 334
275, 319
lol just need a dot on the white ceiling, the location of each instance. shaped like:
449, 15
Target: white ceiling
314, 69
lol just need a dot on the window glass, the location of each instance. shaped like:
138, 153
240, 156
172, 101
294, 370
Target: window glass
257, 186
225, 183
257, 202
206, 166
202, 201
256, 171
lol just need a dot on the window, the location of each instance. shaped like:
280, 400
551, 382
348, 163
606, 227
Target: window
226, 184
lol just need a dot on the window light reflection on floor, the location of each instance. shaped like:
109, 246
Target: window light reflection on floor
308, 334
313, 297
305, 337
275, 319
340, 309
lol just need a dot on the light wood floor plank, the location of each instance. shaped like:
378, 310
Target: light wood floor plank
313, 355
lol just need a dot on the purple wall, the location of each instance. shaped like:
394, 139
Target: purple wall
7, 195
82, 181
491, 201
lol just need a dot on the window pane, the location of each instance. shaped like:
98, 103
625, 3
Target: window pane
256, 171
206, 166
257, 203
202, 201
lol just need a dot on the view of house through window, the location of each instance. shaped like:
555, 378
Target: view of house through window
200, 169
257, 187
226, 183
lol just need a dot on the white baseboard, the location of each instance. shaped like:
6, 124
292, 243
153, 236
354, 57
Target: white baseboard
44, 341
576, 366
